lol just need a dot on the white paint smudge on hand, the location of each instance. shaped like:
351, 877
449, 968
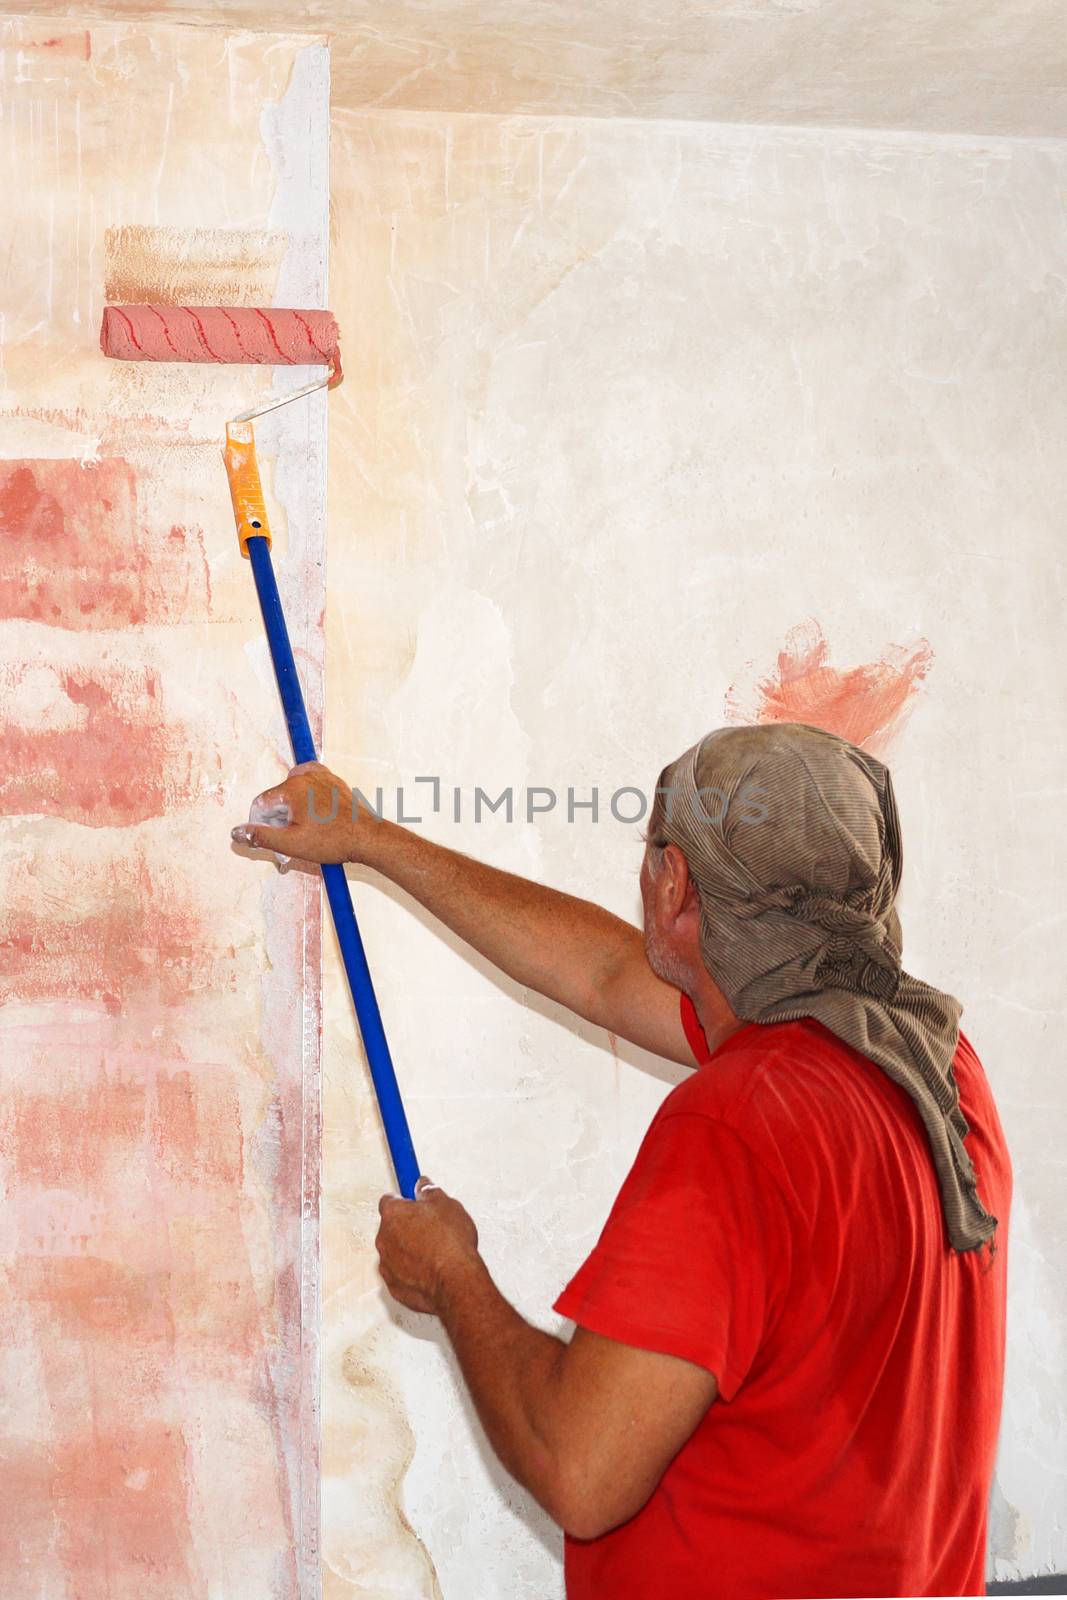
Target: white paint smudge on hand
271, 813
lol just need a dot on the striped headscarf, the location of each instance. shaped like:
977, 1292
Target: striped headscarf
793, 843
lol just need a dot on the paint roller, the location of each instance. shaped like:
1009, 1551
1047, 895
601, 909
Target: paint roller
273, 337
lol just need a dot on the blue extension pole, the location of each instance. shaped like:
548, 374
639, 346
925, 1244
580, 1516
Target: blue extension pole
369, 1017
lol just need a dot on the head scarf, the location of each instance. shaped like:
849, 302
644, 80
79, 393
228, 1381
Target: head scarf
793, 842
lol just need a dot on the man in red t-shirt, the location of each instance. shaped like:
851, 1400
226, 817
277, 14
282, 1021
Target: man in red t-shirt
786, 1370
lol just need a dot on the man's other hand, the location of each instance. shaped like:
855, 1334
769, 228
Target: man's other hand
423, 1244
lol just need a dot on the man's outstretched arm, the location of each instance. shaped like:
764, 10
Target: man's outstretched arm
568, 949
587, 1427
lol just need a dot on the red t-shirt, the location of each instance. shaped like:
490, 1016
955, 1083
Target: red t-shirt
782, 1227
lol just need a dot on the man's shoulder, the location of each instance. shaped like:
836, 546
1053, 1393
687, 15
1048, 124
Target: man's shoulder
768, 1067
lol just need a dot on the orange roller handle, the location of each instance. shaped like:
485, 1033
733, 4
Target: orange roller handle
246, 490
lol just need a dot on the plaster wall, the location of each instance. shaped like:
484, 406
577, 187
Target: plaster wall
960, 66
158, 998
648, 427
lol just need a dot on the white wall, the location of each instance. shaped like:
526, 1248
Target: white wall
626, 403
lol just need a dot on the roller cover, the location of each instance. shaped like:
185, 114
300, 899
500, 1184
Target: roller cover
220, 333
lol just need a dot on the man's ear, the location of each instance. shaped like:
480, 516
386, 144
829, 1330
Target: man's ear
679, 890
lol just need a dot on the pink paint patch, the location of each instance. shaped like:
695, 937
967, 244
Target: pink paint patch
120, 762
73, 552
137, 938
113, 1470
86, 1133
866, 704
144, 1322
117, 1506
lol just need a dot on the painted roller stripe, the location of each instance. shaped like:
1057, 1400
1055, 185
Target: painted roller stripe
129, 325
233, 325
166, 329
199, 326
326, 355
268, 324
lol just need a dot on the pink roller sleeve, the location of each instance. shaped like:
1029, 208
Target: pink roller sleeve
220, 333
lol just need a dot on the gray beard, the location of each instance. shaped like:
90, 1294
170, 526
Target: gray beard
665, 963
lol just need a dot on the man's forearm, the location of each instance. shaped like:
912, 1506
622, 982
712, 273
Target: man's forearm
512, 1371
555, 943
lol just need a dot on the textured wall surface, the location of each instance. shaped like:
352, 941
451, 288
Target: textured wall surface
646, 427
157, 1401
978, 66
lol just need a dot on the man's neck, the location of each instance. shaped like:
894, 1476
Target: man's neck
716, 1017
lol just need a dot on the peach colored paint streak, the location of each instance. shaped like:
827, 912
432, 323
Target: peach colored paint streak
866, 704
120, 763
151, 265
73, 551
